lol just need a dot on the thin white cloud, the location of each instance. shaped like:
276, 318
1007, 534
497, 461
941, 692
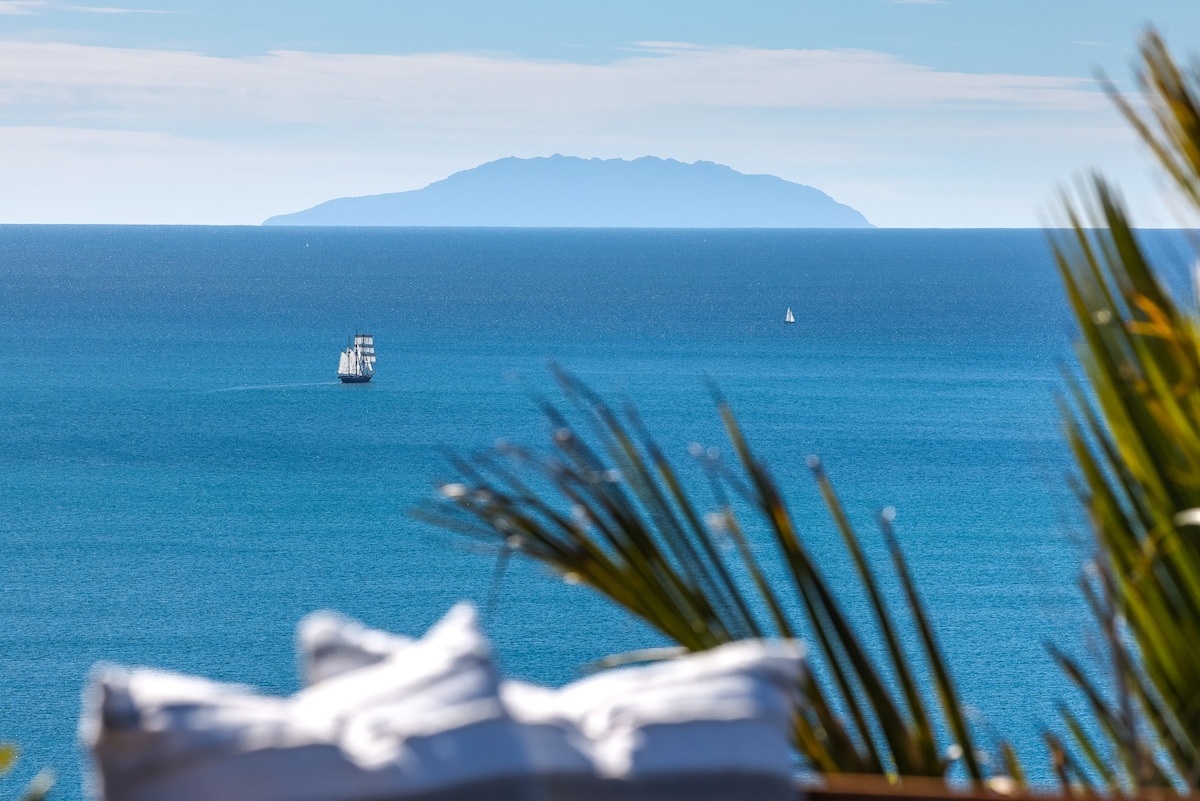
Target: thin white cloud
44, 82
25, 7
112, 10
20, 7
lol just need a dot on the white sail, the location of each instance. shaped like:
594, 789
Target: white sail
365, 345
788, 318
358, 360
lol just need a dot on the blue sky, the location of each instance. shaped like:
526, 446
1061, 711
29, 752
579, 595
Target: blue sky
954, 113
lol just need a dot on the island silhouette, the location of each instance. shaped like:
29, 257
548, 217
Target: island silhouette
570, 192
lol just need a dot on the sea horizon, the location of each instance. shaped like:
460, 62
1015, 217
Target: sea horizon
1040, 228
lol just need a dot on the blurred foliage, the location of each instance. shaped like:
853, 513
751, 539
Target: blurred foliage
1135, 433
37, 789
605, 508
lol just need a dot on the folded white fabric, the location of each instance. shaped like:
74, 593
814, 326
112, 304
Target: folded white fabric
330, 644
724, 710
711, 725
423, 722
386, 718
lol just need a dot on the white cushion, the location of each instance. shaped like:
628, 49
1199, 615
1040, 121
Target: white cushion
330, 644
724, 711
425, 721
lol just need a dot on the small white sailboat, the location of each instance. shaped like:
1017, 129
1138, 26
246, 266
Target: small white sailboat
788, 318
356, 365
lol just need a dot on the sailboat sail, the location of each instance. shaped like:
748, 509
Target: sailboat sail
357, 362
788, 318
364, 344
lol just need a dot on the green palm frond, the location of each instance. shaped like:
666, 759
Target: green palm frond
1136, 441
607, 509
37, 789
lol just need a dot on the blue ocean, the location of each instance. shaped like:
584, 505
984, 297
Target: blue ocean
182, 477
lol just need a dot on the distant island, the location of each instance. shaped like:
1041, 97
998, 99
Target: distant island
569, 192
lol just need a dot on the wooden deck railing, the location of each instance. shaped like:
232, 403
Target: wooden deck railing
874, 788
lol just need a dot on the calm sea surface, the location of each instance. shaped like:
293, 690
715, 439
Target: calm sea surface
182, 478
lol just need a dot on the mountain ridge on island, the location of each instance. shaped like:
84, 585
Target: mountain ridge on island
569, 192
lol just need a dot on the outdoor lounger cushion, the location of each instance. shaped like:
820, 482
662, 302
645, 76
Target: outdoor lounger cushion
714, 725
330, 644
385, 718
425, 722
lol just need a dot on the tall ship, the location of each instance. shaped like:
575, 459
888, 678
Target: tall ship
357, 363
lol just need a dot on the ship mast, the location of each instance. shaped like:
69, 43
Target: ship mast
364, 349
357, 362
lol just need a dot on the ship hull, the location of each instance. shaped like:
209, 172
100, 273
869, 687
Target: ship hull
356, 379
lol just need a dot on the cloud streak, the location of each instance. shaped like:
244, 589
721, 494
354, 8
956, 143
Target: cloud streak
48, 81
27, 7
20, 7
112, 10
